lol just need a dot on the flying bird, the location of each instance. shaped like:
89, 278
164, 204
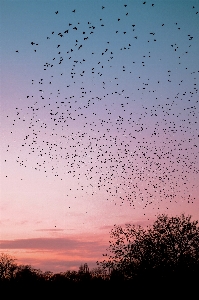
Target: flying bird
106, 119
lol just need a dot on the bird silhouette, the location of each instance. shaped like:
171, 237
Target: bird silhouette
106, 116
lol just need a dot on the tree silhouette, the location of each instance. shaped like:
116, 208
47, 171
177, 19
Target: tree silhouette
84, 273
169, 247
27, 274
7, 267
99, 273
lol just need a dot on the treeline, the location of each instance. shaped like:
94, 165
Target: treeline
27, 282
10, 272
165, 257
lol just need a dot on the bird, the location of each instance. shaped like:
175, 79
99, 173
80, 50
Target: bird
101, 116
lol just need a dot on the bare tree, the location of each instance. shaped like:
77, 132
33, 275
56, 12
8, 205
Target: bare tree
8, 266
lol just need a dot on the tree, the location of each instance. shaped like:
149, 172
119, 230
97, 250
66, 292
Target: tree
125, 250
47, 275
27, 274
99, 273
169, 246
84, 273
72, 276
83, 269
174, 242
7, 266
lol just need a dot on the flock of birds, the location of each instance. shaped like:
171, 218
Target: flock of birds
100, 115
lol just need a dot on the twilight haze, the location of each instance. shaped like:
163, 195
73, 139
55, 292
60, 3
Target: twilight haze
99, 123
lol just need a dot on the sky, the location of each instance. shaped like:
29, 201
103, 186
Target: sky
99, 123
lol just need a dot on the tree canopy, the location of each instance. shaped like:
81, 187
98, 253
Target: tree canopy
169, 246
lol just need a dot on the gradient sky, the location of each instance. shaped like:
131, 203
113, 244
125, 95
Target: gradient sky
99, 123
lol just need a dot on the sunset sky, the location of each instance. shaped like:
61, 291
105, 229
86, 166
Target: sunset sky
99, 123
